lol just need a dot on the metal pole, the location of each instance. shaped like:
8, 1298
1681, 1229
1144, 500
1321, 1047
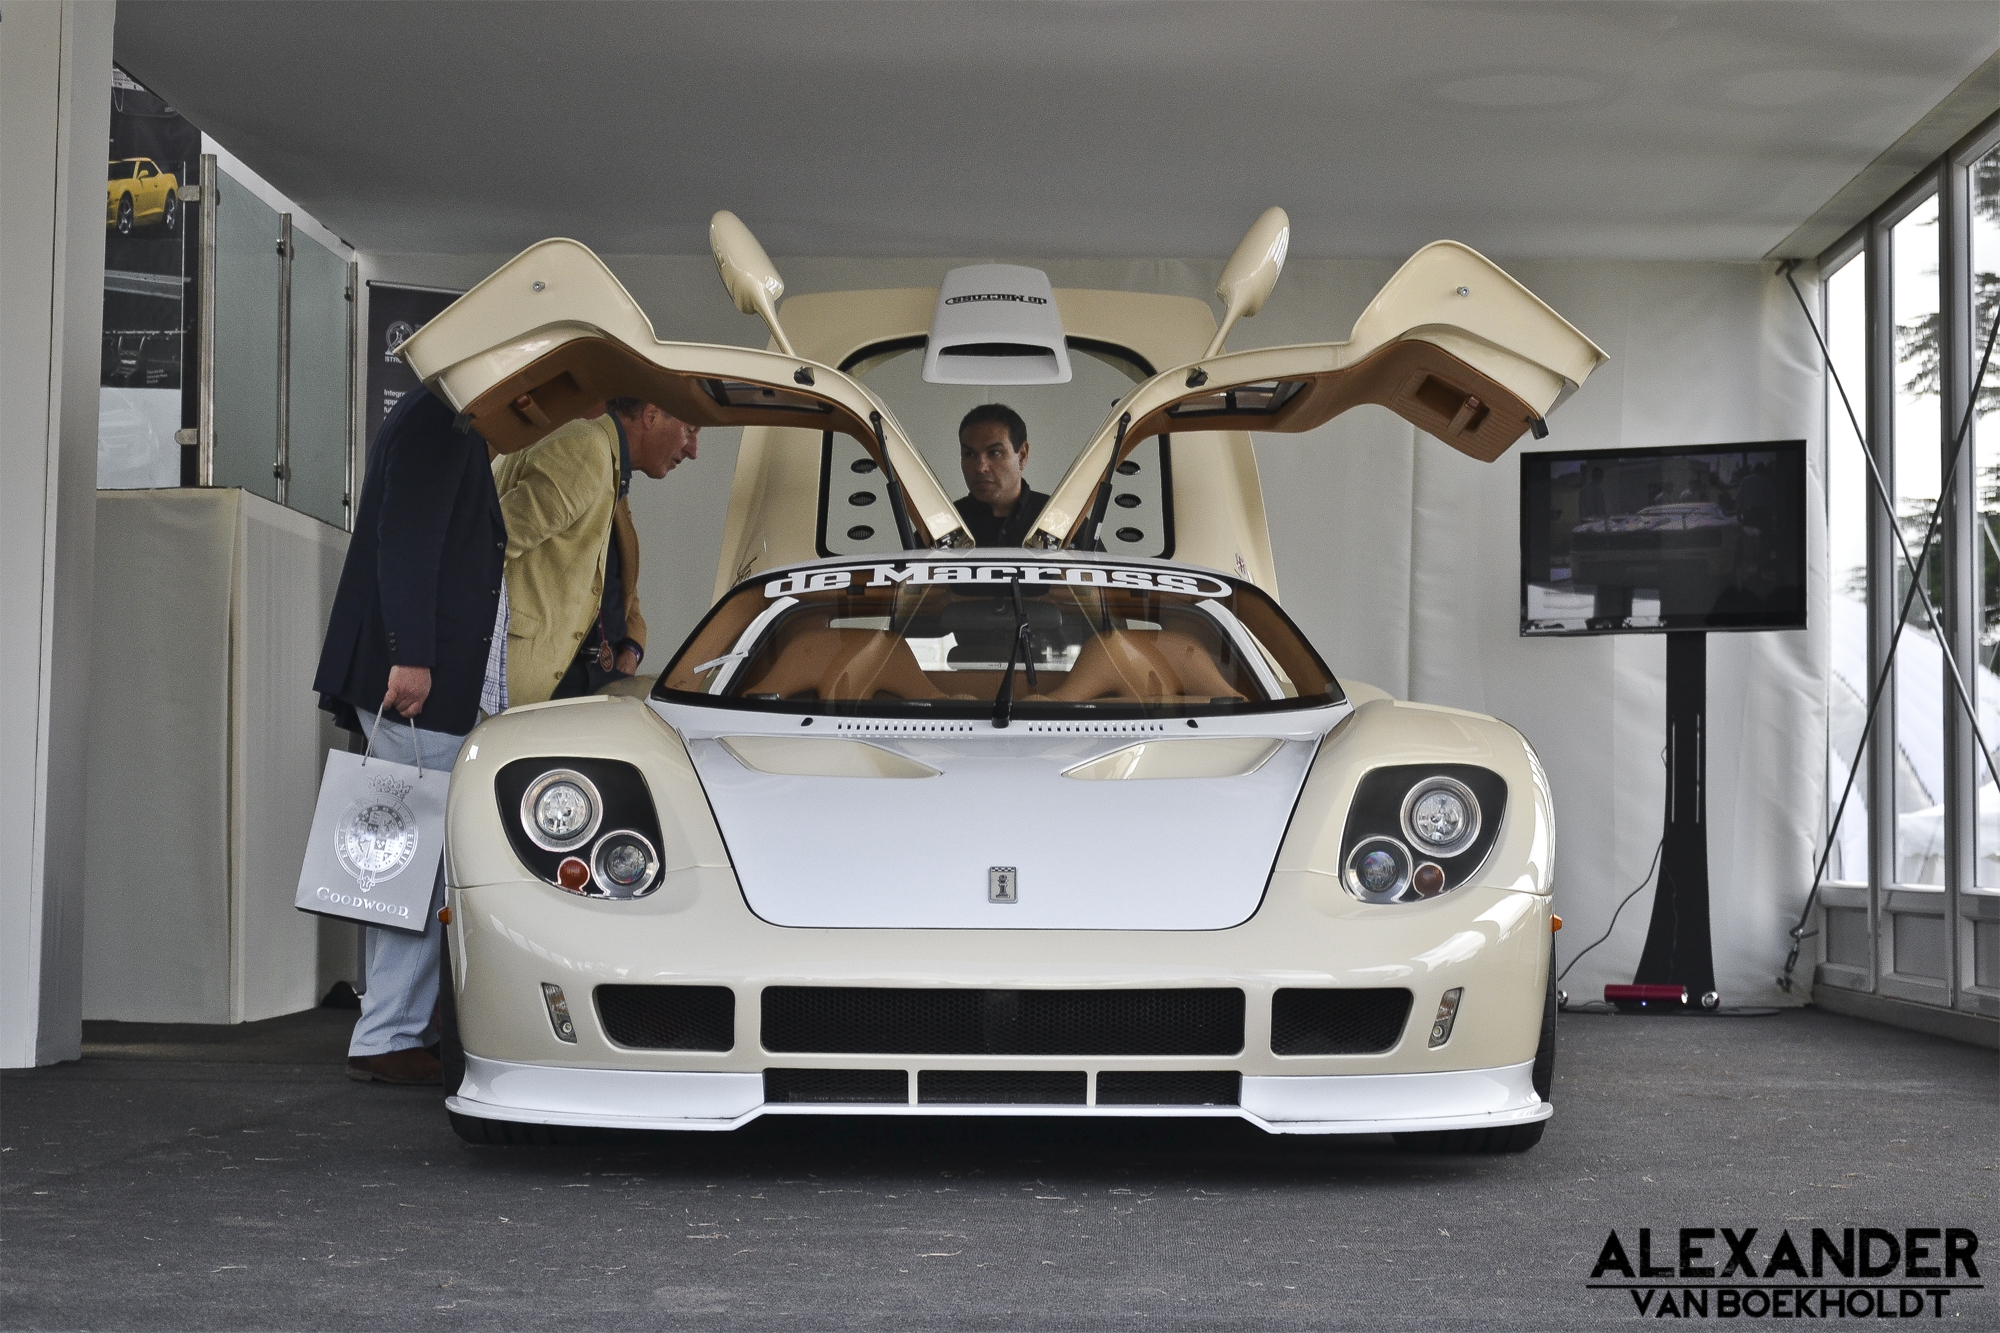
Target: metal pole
211, 205
1961, 552
282, 467
1883, 582
352, 497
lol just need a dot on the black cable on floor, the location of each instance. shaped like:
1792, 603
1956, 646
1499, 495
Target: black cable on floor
1621, 907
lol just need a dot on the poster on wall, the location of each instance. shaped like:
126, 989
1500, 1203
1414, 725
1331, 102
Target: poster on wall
148, 275
394, 313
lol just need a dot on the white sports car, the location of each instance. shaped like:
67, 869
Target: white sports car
1081, 827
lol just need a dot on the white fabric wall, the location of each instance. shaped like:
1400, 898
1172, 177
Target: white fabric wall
55, 108
1400, 557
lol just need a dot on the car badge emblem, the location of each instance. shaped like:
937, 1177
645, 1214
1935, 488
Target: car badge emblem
1003, 884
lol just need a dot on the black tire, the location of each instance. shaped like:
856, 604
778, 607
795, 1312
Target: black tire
170, 213
451, 1052
124, 215
512, 1133
1506, 1138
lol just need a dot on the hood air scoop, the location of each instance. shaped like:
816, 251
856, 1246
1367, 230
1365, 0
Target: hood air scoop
996, 324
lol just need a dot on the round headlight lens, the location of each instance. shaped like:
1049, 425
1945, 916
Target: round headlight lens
1441, 816
625, 865
1378, 870
560, 810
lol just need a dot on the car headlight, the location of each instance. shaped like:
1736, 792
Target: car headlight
561, 809
625, 865
585, 826
1416, 831
1441, 816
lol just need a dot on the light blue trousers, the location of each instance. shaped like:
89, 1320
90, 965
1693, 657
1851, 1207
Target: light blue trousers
402, 968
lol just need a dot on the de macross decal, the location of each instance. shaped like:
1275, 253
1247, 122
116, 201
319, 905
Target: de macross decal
922, 572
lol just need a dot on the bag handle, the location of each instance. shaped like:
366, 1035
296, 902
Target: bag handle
415, 743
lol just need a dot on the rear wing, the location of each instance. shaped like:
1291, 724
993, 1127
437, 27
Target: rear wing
552, 332
1451, 344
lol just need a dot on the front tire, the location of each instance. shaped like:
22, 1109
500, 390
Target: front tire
124, 215
1506, 1138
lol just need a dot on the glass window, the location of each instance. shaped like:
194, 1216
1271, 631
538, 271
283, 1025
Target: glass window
1100, 639
1061, 419
317, 441
1847, 558
1920, 690
249, 274
1985, 444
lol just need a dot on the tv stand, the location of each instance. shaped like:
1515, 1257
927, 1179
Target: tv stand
1678, 949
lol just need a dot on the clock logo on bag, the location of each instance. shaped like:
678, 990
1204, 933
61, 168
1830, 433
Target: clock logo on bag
1003, 884
376, 838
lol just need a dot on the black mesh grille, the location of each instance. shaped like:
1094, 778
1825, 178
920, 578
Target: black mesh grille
908, 1021
837, 1085
1003, 1087
1337, 1022
669, 1018
1173, 1087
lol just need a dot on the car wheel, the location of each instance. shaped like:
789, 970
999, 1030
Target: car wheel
1507, 1138
170, 212
451, 1052
124, 215
511, 1133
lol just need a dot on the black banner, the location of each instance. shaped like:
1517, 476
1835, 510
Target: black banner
394, 313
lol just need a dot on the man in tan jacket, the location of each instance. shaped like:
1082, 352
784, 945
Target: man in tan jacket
572, 552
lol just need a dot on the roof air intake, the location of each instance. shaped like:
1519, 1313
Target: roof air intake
996, 324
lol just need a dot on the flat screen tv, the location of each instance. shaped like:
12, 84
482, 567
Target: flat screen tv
1705, 537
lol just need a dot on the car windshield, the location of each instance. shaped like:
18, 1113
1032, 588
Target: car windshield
934, 638
122, 171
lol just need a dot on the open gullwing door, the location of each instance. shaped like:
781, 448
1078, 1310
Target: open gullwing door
552, 332
1451, 344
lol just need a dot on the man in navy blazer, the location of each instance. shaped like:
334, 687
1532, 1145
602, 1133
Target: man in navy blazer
412, 636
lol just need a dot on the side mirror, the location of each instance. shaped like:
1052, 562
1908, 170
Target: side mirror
747, 272
1252, 272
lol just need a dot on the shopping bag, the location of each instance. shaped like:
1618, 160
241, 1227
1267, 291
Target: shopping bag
377, 834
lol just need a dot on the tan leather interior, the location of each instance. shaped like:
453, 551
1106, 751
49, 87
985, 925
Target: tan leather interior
1418, 381
844, 664
1142, 664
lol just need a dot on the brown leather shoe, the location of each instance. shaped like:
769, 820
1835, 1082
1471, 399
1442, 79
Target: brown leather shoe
415, 1067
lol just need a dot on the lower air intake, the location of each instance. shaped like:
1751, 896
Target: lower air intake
1337, 1022
848, 1086
1002, 1087
1145, 1087
669, 1018
863, 1020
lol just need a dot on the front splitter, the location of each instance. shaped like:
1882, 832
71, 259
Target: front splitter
1279, 1104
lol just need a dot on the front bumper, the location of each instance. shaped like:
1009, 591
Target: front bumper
1280, 1104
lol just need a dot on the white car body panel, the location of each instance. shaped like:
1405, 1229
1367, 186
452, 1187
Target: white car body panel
1162, 854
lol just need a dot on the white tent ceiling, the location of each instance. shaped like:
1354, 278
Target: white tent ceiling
1633, 130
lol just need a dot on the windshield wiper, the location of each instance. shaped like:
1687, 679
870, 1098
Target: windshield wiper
1021, 646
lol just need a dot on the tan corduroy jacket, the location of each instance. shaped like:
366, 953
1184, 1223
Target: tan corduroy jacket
559, 500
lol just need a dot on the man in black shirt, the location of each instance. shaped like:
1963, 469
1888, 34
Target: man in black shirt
992, 450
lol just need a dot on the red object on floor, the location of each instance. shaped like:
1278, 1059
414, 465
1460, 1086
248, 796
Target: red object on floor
1631, 998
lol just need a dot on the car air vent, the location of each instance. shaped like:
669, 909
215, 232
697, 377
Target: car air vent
897, 1020
1173, 1087
904, 728
1003, 1087
1337, 1021
669, 1018
1114, 728
849, 1086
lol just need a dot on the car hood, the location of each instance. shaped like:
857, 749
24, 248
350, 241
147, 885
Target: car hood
857, 822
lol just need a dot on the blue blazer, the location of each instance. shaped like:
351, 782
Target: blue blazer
422, 579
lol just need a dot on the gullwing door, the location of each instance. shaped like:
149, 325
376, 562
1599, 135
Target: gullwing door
551, 333
1451, 344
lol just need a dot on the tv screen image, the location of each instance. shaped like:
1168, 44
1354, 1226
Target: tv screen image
1704, 537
